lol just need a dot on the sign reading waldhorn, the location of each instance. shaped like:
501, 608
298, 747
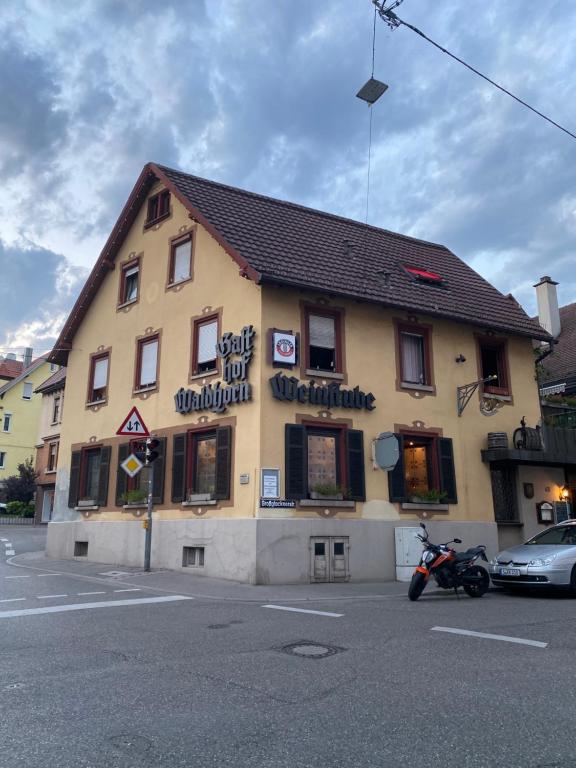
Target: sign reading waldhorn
217, 398
289, 388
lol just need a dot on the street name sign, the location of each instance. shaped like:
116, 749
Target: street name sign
133, 425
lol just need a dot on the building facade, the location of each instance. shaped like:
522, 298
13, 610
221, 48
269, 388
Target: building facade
19, 415
48, 443
271, 348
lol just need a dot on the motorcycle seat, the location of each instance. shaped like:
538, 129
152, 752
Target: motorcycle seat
469, 554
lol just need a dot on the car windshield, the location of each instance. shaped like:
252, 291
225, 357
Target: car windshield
565, 535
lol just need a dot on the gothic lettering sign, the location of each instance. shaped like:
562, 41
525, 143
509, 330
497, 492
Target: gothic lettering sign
290, 389
236, 353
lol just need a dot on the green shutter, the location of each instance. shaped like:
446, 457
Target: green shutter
74, 486
179, 468
159, 472
296, 461
104, 473
355, 459
121, 476
447, 472
396, 478
223, 462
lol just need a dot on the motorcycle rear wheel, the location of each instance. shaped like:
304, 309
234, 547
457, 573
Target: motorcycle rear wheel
481, 586
416, 586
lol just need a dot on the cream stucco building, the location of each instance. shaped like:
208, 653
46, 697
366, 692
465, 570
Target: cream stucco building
269, 346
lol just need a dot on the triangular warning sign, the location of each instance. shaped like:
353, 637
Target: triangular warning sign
133, 426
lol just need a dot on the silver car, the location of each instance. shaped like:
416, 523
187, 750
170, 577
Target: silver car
547, 559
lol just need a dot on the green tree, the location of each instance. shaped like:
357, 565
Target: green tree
21, 487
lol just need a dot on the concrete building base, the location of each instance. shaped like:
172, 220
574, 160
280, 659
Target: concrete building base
255, 551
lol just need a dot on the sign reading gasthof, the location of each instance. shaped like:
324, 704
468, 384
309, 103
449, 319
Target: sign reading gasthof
217, 398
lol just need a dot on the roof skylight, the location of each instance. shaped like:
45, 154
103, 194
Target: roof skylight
425, 275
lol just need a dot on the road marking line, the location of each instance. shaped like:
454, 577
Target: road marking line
487, 636
12, 600
303, 610
86, 606
10, 552
46, 597
49, 574
3, 539
132, 589
90, 593
16, 577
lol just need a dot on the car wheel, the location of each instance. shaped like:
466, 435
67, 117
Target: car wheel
573, 581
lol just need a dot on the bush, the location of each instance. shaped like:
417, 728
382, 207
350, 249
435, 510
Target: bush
20, 509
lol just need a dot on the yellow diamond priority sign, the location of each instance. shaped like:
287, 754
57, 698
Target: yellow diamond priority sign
132, 465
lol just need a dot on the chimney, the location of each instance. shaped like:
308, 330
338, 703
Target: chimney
548, 312
27, 357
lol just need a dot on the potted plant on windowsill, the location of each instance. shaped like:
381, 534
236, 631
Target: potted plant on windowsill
326, 492
432, 496
134, 498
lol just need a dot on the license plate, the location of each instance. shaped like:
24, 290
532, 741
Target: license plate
509, 571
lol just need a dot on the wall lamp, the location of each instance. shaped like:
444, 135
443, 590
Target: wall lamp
460, 358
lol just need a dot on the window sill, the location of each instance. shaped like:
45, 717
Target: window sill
424, 506
140, 505
152, 222
503, 398
96, 402
324, 374
510, 523
87, 508
50, 471
326, 503
205, 375
127, 303
210, 503
144, 390
178, 283
421, 387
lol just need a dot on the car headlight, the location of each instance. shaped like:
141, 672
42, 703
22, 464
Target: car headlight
494, 561
540, 562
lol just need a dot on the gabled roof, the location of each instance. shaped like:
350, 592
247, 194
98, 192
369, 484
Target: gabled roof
53, 383
9, 369
24, 374
282, 243
560, 365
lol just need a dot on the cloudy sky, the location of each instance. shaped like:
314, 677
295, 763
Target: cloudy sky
261, 94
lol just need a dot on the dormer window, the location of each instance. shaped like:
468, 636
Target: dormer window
158, 207
424, 275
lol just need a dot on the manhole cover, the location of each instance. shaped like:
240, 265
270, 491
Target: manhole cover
309, 649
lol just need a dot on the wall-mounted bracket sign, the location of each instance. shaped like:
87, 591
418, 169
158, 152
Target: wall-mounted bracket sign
290, 389
217, 398
284, 349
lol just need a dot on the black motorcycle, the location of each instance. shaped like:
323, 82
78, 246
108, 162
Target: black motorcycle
450, 569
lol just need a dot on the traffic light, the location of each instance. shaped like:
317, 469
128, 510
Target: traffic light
152, 453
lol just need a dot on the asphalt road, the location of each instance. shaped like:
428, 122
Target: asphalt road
162, 676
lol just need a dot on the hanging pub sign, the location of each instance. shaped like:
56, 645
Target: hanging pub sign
236, 353
284, 350
290, 389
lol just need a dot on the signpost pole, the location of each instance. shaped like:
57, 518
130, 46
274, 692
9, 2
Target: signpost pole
148, 539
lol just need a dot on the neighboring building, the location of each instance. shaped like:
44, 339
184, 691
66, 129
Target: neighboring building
19, 414
269, 346
10, 367
52, 391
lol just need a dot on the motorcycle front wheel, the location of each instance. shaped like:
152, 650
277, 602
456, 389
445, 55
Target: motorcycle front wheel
481, 584
416, 586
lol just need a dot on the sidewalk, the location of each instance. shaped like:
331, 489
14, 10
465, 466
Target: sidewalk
193, 585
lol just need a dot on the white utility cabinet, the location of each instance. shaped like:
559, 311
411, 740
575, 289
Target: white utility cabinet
408, 552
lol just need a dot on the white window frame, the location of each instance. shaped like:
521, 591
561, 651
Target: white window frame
27, 384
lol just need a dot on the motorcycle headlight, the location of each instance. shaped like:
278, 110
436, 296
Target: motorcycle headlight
539, 562
428, 556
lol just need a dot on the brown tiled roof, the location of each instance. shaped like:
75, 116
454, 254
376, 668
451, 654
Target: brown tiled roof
24, 372
561, 364
9, 369
277, 242
53, 383
292, 245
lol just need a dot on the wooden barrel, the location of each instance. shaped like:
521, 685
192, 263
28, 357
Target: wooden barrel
497, 440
